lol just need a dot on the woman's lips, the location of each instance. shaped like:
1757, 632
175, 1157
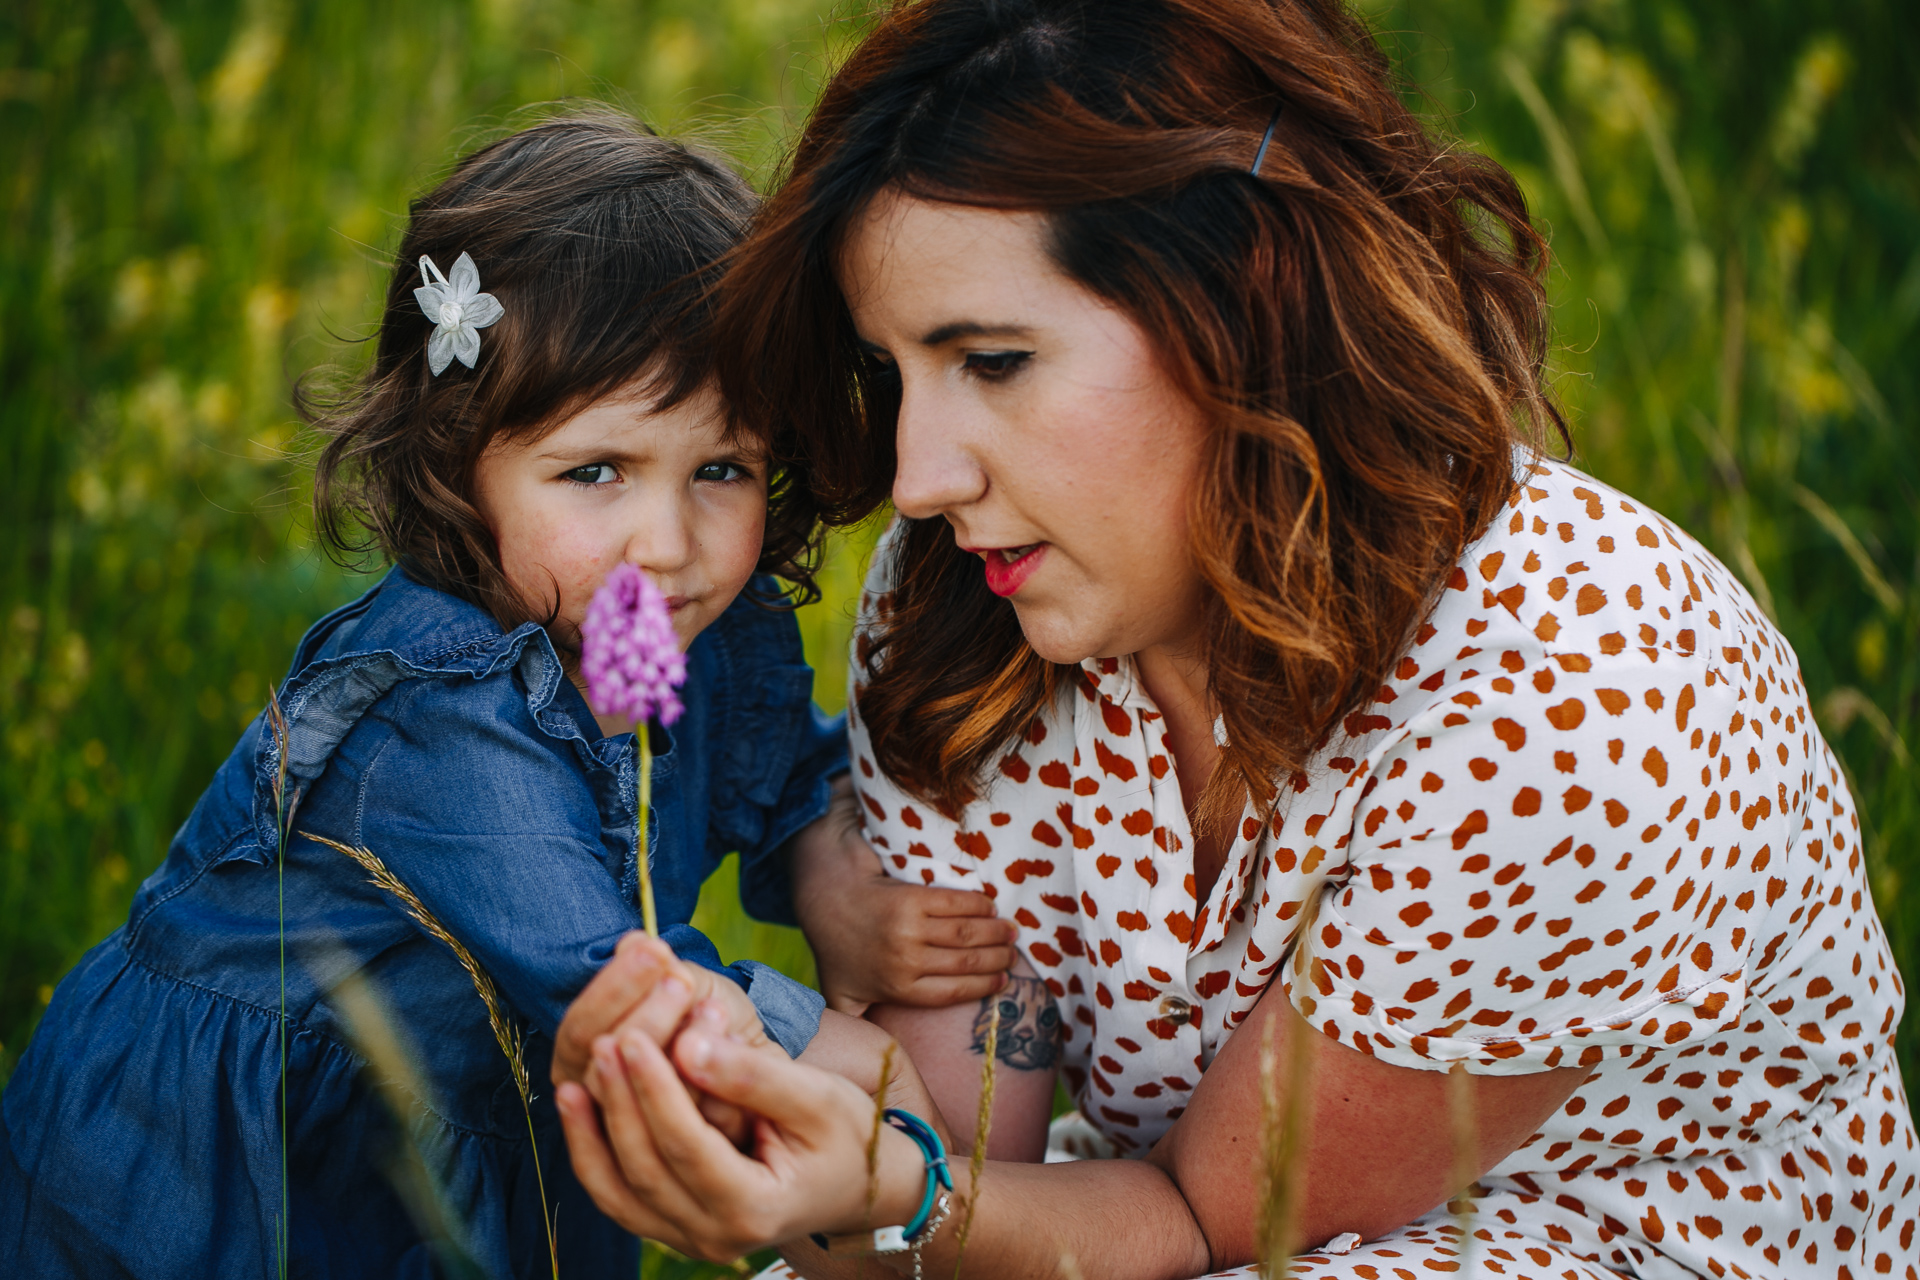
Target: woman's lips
1008, 568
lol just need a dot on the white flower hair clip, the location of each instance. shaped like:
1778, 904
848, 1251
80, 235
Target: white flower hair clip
458, 309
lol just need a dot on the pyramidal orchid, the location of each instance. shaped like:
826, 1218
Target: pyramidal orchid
633, 668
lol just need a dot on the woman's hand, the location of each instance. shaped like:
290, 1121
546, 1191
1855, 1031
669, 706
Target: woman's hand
882, 941
661, 1171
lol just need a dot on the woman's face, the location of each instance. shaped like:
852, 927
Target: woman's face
1038, 420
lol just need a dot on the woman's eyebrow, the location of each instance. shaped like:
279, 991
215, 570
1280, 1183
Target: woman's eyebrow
973, 329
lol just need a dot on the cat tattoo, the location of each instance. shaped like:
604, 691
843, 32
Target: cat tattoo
1029, 1025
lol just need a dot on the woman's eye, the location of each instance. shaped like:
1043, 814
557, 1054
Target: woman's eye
719, 472
995, 364
593, 473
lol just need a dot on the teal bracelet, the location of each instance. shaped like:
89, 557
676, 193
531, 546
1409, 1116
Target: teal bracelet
939, 1178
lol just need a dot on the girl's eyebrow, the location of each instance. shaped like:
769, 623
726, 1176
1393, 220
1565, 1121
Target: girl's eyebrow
588, 453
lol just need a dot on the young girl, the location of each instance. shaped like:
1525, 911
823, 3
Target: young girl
539, 410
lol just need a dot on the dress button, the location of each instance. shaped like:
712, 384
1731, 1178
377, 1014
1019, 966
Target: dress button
1176, 1011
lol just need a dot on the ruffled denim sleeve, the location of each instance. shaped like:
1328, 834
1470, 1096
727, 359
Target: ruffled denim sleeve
496, 826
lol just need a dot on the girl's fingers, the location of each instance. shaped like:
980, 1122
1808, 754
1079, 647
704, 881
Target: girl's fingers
637, 966
967, 931
951, 962
938, 993
659, 1014
951, 902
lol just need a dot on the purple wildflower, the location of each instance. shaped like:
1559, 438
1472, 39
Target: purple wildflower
629, 654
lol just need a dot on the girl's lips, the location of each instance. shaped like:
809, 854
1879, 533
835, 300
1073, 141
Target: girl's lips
1006, 576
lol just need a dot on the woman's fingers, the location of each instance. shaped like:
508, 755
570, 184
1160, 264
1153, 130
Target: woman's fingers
799, 1099
641, 1165
733, 1202
595, 1166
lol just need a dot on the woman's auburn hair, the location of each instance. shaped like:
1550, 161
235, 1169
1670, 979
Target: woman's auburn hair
601, 241
1363, 322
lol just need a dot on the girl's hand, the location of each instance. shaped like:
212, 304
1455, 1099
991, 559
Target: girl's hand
879, 940
656, 1167
648, 989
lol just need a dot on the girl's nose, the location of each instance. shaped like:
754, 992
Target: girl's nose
938, 468
664, 541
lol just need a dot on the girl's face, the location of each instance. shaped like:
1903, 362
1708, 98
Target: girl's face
621, 481
1038, 420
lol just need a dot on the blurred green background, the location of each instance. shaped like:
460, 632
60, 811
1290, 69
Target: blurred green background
198, 201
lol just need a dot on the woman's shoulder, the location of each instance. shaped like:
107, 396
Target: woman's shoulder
1573, 567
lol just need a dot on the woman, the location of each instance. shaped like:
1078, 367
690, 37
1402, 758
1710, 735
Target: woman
1328, 743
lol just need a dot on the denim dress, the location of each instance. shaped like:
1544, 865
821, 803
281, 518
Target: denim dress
141, 1134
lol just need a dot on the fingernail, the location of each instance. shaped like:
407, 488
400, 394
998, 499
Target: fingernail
712, 1012
674, 987
697, 1049
630, 1048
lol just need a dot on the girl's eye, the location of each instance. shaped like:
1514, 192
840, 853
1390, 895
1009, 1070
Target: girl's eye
720, 473
593, 473
994, 365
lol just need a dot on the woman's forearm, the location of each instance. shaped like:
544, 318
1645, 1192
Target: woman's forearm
1117, 1219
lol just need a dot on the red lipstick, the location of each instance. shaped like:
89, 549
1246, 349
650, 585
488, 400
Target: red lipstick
1008, 568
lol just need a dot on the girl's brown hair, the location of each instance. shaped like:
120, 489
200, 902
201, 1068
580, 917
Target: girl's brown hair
599, 240
1363, 320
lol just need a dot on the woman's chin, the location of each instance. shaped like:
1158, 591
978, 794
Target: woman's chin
1055, 638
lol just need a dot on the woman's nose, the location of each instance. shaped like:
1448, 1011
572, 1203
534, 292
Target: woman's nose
938, 468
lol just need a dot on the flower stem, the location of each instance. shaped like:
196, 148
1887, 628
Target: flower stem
647, 913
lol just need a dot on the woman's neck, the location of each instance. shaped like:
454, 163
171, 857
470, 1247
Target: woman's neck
1177, 683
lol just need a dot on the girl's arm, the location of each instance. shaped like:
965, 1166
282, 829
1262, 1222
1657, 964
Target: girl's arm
1383, 1144
879, 940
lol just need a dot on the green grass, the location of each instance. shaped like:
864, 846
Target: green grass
197, 199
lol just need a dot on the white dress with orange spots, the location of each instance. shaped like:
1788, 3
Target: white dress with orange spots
1588, 820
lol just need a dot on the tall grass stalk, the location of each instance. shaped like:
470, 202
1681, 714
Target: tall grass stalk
982, 1128
283, 826
1285, 1114
401, 1086
1463, 1122
506, 1032
643, 734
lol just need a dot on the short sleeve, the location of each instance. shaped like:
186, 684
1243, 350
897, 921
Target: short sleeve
1556, 865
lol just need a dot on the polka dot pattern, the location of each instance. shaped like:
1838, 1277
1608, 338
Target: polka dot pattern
1588, 820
